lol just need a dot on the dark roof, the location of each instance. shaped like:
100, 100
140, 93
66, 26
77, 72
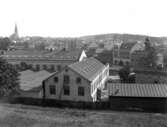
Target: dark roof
127, 45
56, 55
66, 54
27, 53
138, 90
88, 68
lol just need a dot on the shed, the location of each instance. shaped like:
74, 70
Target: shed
142, 97
31, 83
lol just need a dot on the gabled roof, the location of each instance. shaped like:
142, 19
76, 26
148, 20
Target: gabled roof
138, 90
128, 45
87, 68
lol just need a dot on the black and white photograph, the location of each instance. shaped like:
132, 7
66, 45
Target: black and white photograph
83, 63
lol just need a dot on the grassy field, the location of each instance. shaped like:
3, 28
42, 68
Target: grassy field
32, 116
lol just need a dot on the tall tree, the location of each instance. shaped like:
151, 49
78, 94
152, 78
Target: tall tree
149, 59
124, 73
105, 57
9, 78
4, 43
127, 74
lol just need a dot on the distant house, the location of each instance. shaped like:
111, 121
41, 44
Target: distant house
44, 60
31, 83
51, 47
79, 81
159, 57
122, 53
93, 45
99, 50
16, 47
147, 97
108, 46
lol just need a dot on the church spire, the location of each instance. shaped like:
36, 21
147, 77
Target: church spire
15, 36
16, 31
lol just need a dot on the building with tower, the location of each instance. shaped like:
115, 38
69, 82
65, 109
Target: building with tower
122, 53
15, 36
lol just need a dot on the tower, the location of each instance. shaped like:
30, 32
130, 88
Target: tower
15, 36
16, 31
147, 43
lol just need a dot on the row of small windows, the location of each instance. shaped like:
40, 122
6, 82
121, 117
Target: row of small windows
24, 66
66, 80
66, 90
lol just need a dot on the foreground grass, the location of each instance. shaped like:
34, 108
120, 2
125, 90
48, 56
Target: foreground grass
32, 116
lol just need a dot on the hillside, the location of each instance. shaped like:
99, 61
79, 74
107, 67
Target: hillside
32, 116
122, 37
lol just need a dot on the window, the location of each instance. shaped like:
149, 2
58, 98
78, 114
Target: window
66, 70
52, 68
37, 67
116, 62
45, 67
30, 66
59, 67
52, 89
66, 79
66, 90
78, 80
127, 63
17, 66
81, 91
56, 79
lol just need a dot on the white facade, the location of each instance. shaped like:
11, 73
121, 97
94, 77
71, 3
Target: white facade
99, 82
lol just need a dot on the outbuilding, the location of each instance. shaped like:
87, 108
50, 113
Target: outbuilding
31, 83
142, 97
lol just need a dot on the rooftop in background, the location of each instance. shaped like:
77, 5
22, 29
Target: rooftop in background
115, 67
128, 45
30, 80
55, 55
138, 90
88, 68
27, 53
66, 54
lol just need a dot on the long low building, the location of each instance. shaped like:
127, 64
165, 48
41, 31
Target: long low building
147, 97
37, 60
79, 81
31, 83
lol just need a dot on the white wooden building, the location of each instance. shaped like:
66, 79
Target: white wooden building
77, 82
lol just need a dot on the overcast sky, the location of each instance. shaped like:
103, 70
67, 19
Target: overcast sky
70, 18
